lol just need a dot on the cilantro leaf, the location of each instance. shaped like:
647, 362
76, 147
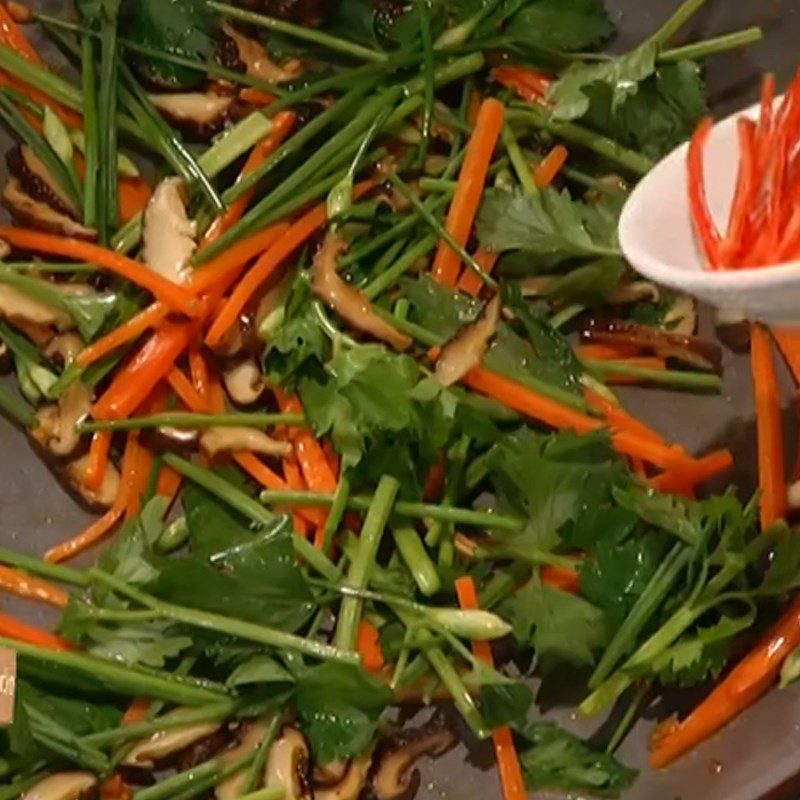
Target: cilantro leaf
661, 115
367, 392
504, 701
560, 761
562, 627
181, 27
566, 25
257, 580
437, 308
339, 706
151, 644
622, 75
549, 226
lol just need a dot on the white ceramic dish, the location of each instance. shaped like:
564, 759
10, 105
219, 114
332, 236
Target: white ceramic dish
657, 238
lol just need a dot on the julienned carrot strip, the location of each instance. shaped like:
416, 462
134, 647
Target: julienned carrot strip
469, 281
98, 459
11, 36
619, 419
332, 457
282, 124
133, 193
745, 684
294, 480
562, 578
198, 369
529, 84
788, 340
743, 199
262, 474
606, 352
704, 225
133, 383
182, 387
178, 298
23, 585
271, 260
703, 469
137, 482
435, 480
537, 406
551, 165
255, 97
136, 712
12, 628
469, 189
368, 645
505, 752
771, 461
148, 318
115, 788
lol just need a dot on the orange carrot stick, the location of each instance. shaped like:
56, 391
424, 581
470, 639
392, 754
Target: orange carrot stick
551, 165
771, 463
745, 684
282, 124
705, 468
98, 459
294, 480
169, 482
505, 752
469, 281
176, 297
133, 383
148, 318
23, 585
182, 387
12, 628
531, 85
270, 261
606, 352
137, 481
563, 578
368, 645
469, 189
137, 711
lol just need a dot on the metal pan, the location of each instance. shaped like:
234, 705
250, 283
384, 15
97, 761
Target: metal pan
759, 754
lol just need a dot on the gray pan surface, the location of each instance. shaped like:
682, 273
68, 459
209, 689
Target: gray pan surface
758, 756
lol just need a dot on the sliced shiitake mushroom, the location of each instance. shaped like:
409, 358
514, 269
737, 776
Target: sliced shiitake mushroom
466, 350
690, 350
329, 774
64, 348
252, 55
37, 182
63, 786
250, 736
18, 307
243, 381
635, 292
681, 317
168, 234
351, 784
392, 777
201, 114
214, 441
167, 745
288, 765
74, 474
350, 303
38, 214
56, 423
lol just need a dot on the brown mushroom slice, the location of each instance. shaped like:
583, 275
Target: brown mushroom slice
244, 382
64, 348
250, 739
62, 786
392, 777
466, 351
350, 786
169, 235
214, 441
16, 306
257, 63
37, 181
202, 113
635, 292
168, 743
56, 423
74, 473
288, 765
351, 304
330, 774
690, 350
39, 215
682, 316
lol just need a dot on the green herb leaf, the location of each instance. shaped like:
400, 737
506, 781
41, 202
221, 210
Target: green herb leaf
339, 707
437, 308
622, 75
560, 761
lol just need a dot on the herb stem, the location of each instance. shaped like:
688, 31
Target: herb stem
390, 276
351, 608
91, 132
339, 506
518, 161
677, 379
188, 419
416, 558
403, 508
710, 47
680, 17
41, 78
16, 410
44, 569
301, 32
